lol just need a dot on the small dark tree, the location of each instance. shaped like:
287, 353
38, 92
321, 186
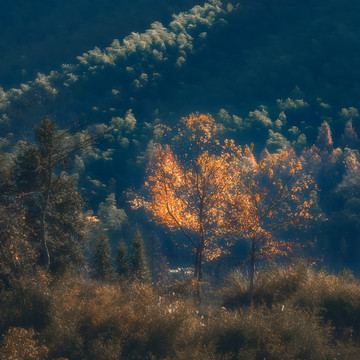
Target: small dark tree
324, 140
122, 260
350, 137
103, 265
139, 264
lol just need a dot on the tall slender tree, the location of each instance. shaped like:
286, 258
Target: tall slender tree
51, 201
102, 261
324, 140
139, 263
350, 137
122, 262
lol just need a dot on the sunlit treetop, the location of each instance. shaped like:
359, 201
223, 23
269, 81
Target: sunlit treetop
200, 127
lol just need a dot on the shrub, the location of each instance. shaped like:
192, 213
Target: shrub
279, 332
22, 344
272, 285
335, 298
26, 302
104, 321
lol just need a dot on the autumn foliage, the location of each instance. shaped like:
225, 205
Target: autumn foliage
187, 190
211, 191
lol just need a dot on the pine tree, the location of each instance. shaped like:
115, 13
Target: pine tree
350, 137
324, 140
122, 260
51, 202
103, 265
139, 264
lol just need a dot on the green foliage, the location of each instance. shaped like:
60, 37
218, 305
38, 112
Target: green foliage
111, 217
102, 261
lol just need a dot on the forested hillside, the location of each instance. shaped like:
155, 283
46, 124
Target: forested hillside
189, 162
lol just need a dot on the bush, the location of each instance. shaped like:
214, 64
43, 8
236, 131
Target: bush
272, 285
279, 332
335, 298
26, 302
104, 321
22, 344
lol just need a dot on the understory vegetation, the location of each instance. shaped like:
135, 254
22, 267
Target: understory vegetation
297, 313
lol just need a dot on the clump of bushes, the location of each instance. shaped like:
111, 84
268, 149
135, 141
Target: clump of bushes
334, 298
296, 313
91, 320
272, 285
279, 332
26, 302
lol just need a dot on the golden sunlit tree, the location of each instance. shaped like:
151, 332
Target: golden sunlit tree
279, 195
188, 185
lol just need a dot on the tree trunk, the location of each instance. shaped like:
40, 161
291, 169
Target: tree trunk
198, 263
252, 272
199, 254
43, 236
45, 206
198, 273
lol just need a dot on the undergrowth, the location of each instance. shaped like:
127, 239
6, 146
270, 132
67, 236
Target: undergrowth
296, 313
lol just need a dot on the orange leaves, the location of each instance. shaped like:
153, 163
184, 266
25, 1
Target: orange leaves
19, 343
189, 191
269, 198
201, 126
209, 189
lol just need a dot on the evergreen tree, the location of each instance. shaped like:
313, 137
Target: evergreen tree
103, 265
122, 260
350, 137
139, 265
324, 140
52, 204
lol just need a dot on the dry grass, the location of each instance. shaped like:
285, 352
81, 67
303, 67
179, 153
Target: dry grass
297, 313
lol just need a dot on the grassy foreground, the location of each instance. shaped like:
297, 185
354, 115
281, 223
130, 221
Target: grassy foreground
297, 313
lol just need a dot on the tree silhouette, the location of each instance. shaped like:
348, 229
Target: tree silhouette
350, 137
